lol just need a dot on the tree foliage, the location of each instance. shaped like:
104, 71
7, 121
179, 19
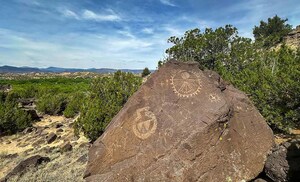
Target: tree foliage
272, 32
12, 118
107, 96
145, 72
206, 48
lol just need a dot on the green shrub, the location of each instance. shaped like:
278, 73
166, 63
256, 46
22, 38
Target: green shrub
52, 104
12, 118
74, 104
145, 72
106, 98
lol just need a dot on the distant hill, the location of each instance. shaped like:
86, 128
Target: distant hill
12, 69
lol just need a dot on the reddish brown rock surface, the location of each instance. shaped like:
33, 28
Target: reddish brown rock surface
182, 125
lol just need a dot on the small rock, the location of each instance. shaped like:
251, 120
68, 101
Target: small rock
28, 151
66, 147
59, 130
51, 137
22, 144
7, 142
33, 114
43, 133
58, 125
38, 143
83, 159
48, 149
29, 130
25, 164
11, 156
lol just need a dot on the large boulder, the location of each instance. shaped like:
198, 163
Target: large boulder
183, 124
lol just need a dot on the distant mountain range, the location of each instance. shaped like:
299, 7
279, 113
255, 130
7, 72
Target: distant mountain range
12, 69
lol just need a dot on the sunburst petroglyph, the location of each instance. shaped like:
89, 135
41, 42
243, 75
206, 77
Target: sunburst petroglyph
185, 83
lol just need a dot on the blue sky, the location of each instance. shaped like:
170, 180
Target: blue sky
121, 33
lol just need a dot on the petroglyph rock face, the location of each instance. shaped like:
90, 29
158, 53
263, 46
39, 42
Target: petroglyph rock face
182, 125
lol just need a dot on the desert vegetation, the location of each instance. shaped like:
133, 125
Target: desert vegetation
98, 99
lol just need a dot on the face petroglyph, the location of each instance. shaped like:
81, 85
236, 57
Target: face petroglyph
185, 83
145, 123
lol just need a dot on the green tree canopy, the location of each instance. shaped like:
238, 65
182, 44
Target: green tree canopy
146, 72
206, 48
272, 32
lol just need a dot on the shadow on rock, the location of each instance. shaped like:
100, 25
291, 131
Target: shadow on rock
284, 163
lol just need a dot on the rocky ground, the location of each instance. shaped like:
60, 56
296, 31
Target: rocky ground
48, 151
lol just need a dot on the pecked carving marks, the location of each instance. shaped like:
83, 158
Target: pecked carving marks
185, 83
145, 123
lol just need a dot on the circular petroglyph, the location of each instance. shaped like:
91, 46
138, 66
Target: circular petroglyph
214, 98
185, 83
145, 123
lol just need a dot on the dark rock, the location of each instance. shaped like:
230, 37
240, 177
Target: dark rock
38, 142
182, 125
51, 137
22, 144
59, 130
284, 163
29, 130
26, 102
58, 125
66, 147
48, 149
29, 150
11, 156
7, 142
33, 114
32, 161
83, 159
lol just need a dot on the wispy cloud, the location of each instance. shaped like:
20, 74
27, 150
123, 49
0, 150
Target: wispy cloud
148, 30
167, 2
70, 14
90, 15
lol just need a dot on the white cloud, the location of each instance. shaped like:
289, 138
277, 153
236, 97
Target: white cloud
90, 15
126, 33
148, 30
70, 14
167, 2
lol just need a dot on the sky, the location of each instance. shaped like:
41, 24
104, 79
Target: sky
118, 33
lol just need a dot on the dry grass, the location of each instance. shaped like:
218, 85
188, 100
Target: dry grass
61, 168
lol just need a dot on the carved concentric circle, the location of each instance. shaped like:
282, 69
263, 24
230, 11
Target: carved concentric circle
186, 83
